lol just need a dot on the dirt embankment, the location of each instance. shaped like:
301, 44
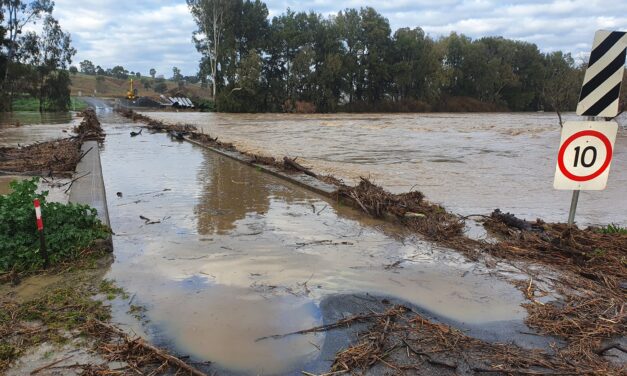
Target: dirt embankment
585, 266
58, 157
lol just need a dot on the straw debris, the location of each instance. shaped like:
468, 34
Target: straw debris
58, 157
403, 341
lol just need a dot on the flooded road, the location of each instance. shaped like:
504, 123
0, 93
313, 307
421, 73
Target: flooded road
224, 254
471, 163
29, 127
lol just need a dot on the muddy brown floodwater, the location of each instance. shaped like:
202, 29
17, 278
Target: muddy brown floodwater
35, 126
471, 163
226, 254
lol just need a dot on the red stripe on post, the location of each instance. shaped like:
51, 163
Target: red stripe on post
40, 222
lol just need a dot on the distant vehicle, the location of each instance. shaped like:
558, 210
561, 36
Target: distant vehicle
131, 94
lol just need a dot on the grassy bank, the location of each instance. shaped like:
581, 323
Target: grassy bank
32, 104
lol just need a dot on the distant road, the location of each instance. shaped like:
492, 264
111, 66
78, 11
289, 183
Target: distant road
97, 103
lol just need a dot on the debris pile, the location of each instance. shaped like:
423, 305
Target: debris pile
410, 208
155, 124
400, 340
41, 159
58, 157
591, 254
90, 128
137, 354
592, 282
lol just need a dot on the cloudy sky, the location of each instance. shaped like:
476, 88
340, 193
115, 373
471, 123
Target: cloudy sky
142, 34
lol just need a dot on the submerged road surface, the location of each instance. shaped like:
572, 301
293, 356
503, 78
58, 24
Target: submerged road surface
472, 163
220, 254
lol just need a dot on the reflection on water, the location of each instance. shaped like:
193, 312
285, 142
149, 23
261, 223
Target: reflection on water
238, 255
34, 127
472, 163
9, 119
228, 195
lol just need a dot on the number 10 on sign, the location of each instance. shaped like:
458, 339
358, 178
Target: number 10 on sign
585, 155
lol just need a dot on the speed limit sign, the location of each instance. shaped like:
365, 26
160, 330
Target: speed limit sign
585, 155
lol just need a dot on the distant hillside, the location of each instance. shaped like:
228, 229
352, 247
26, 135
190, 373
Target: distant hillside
113, 87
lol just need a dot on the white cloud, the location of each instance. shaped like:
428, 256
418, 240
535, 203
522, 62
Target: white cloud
143, 34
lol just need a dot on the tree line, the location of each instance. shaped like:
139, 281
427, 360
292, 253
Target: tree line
352, 61
33, 64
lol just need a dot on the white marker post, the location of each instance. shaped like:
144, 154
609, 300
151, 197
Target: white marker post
42, 238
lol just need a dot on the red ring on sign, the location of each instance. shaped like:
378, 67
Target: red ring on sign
608, 155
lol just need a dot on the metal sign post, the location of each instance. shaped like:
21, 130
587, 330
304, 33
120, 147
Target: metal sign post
573, 207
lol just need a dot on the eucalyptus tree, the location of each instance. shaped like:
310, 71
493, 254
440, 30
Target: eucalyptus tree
348, 24
376, 58
49, 53
562, 82
87, 67
17, 14
414, 65
212, 18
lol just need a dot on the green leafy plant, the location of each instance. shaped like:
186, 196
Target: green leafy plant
613, 229
69, 228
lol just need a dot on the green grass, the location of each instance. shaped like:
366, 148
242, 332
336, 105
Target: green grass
32, 104
613, 229
26, 104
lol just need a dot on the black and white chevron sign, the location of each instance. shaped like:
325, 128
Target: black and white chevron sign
600, 92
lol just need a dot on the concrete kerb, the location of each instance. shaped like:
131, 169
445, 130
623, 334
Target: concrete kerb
305, 181
90, 188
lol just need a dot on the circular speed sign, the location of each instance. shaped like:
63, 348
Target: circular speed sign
585, 155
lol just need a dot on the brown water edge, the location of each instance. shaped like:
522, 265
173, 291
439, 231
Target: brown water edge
471, 163
35, 127
238, 255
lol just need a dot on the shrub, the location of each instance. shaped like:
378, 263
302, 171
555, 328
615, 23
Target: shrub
204, 105
69, 228
160, 87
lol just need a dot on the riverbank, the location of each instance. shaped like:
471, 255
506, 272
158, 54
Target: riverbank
552, 261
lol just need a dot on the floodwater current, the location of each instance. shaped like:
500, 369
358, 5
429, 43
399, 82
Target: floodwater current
220, 254
471, 163
26, 127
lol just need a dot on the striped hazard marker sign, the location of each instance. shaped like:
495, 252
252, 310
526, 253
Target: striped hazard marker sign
40, 222
600, 93
40, 228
